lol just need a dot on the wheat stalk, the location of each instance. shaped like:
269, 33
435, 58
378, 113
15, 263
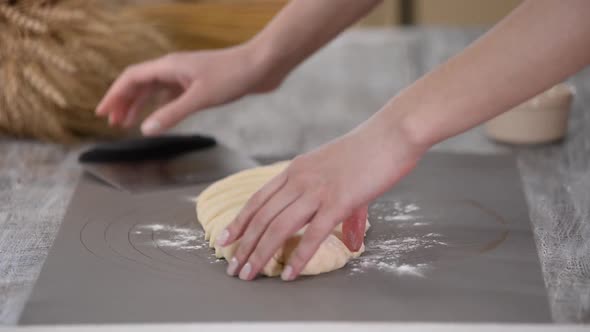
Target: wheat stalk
48, 54
37, 79
21, 20
58, 57
57, 14
10, 78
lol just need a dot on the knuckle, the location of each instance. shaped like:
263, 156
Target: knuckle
323, 192
297, 185
303, 177
300, 181
313, 239
260, 220
171, 57
130, 69
233, 229
256, 200
315, 234
242, 253
254, 231
333, 201
258, 225
246, 241
294, 170
297, 165
276, 228
280, 230
256, 259
129, 73
242, 219
298, 258
132, 74
299, 161
240, 257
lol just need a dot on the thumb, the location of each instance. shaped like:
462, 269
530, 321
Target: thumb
192, 100
353, 228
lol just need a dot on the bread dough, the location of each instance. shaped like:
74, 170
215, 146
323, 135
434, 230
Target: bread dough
220, 203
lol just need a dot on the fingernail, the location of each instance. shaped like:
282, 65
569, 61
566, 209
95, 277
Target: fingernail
150, 127
245, 273
222, 238
287, 274
233, 266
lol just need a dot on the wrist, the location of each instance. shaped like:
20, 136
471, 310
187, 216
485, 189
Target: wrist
268, 66
395, 147
399, 124
258, 54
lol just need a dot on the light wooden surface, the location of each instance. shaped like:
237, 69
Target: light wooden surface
330, 94
462, 12
386, 14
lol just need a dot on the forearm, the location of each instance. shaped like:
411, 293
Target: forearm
541, 43
303, 27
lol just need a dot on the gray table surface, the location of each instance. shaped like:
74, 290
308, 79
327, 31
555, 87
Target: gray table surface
331, 93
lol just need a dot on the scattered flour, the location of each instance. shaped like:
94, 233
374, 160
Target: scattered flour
390, 255
190, 199
385, 255
400, 212
399, 217
410, 208
175, 237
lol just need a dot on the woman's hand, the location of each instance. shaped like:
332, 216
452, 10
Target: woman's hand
319, 189
197, 80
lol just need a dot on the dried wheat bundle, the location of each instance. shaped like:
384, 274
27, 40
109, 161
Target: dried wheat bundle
57, 59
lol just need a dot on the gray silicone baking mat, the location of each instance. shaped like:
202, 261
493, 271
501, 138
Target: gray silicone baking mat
452, 242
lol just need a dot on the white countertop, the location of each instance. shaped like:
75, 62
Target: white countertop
310, 327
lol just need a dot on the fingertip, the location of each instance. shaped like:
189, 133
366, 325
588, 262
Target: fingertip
246, 272
151, 127
288, 274
235, 231
293, 268
310, 242
101, 110
111, 120
233, 266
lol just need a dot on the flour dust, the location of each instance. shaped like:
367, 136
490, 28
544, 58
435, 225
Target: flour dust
388, 254
381, 254
177, 237
400, 212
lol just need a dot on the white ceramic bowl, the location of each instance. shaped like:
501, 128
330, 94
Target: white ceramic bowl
542, 119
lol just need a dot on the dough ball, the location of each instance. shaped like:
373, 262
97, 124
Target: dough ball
221, 202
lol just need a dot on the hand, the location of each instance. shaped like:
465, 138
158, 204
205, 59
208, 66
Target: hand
319, 189
196, 80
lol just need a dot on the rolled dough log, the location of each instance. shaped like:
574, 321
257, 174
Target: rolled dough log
220, 203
